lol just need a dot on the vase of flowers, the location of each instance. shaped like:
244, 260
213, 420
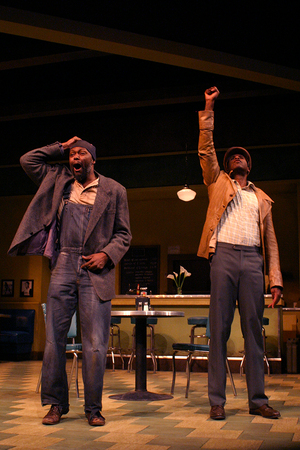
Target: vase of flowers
179, 278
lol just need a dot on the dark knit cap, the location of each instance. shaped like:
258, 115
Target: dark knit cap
89, 147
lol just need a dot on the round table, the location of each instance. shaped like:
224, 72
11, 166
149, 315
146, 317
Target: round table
140, 392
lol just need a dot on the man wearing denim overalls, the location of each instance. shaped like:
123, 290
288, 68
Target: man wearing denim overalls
80, 220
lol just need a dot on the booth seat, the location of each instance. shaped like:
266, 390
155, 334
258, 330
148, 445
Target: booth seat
16, 332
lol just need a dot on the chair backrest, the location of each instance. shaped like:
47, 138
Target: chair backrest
44, 310
72, 333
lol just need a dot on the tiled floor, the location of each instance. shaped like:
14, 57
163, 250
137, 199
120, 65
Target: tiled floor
174, 424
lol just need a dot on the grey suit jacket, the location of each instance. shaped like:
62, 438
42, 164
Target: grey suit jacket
108, 229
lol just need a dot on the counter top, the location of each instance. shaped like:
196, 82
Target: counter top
143, 314
176, 300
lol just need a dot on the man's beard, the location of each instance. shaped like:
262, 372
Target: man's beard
85, 171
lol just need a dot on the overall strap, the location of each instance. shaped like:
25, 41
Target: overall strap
67, 191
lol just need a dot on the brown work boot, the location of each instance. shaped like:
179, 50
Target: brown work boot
53, 415
217, 412
95, 420
265, 411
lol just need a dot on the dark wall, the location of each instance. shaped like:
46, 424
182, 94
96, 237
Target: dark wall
145, 147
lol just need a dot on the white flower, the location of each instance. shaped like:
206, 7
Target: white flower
179, 279
186, 273
173, 276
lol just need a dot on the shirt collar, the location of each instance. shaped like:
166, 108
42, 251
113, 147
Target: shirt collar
248, 186
92, 184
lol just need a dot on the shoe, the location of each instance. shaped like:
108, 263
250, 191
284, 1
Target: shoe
217, 412
53, 416
95, 420
265, 411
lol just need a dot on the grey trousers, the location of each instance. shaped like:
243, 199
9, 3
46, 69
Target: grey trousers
236, 275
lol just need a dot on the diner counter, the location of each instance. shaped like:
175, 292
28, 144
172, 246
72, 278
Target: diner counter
175, 300
178, 330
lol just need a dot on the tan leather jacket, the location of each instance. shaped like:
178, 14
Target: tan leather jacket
221, 191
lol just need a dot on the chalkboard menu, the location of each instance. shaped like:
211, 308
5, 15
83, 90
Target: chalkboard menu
140, 268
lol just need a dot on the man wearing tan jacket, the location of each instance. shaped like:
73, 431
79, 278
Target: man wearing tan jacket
239, 239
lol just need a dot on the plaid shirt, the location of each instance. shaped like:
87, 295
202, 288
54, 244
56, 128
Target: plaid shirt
239, 223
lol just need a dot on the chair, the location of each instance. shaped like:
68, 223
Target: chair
266, 321
150, 322
197, 322
71, 348
115, 333
75, 349
192, 349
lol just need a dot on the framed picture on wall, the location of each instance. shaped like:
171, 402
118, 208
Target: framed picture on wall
26, 288
7, 288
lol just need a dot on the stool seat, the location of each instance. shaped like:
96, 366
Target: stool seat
198, 320
115, 320
150, 320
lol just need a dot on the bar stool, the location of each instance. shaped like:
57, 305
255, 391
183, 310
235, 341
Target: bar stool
266, 321
192, 349
115, 333
150, 322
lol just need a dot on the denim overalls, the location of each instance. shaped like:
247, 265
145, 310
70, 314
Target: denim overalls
70, 285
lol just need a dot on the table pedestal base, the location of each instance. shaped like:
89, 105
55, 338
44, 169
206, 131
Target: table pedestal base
140, 392
141, 395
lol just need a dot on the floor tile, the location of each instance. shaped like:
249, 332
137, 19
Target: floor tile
176, 424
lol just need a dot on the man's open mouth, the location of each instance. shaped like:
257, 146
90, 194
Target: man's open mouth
77, 166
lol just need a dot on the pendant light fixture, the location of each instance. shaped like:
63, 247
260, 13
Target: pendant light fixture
186, 194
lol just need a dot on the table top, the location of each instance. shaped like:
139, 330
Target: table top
135, 313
